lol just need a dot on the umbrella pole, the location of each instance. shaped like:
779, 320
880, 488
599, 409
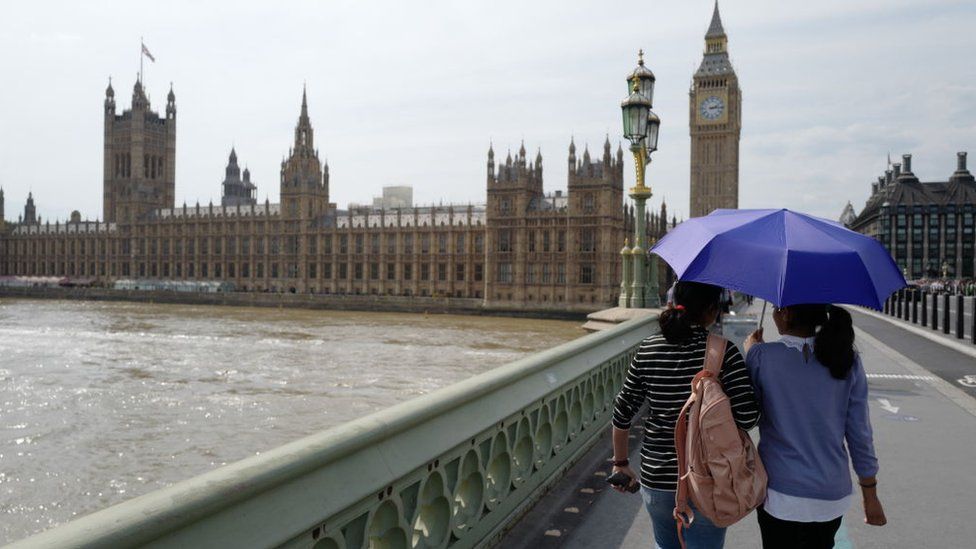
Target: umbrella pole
762, 315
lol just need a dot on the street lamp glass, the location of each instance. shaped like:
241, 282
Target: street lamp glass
635, 111
653, 128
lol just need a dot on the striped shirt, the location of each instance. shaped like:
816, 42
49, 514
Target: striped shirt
661, 374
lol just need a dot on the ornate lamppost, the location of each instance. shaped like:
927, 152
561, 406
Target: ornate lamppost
641, 127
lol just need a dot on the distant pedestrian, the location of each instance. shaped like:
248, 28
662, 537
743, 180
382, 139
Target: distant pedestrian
814, 398
660, 374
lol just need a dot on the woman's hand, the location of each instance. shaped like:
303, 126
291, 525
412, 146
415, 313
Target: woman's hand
754, 337
873, 511
627, 471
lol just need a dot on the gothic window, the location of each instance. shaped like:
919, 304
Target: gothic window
505, 240
391, 244
530, 274
359, 243
530, 236
374, 244
506, 205
505, 273
358, 271
442, 272
425, 271
546, 241
343, 271
408, 243
479, 272
479, 243
561, 273
343, 244
274, 269
374, 271
424, 243
291, 270
245, 270
327, 271
587, 239
561, 241
442, 243
459, 272
589, 203
407, 271
311, 270
390, 271
586, 274
459, 244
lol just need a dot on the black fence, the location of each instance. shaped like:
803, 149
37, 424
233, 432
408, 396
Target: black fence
951, 314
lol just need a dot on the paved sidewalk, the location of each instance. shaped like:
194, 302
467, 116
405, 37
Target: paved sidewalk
924, 435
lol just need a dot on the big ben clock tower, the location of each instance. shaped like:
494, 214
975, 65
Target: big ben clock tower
715, 123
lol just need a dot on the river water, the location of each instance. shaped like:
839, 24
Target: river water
101, 402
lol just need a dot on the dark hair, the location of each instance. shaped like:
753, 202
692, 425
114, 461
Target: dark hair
691, 301
834, 343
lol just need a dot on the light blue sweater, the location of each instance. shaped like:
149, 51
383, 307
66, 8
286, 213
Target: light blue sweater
807, 416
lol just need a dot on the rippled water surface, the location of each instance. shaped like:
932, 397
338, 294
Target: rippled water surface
101, 402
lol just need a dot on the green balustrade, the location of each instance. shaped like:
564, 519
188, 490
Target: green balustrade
449, 469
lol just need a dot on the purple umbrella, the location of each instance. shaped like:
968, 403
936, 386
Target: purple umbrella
784, 257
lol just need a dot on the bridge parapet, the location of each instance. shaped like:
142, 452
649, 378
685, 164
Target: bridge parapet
447, 469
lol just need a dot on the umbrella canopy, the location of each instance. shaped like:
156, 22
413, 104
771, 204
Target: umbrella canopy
784, 257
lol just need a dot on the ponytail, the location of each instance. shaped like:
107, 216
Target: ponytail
692, 300
834, 345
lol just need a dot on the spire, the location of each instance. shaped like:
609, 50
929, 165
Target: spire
491, 151
171, 96
233, 155
715, 29
572, 146
522, 150
303, 131
109, 91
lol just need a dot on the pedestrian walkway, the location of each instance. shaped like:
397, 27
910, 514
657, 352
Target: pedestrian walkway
924, 432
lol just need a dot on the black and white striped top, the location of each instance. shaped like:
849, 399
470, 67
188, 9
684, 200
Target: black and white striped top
661, 373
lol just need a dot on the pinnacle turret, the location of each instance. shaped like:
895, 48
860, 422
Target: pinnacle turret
715, 29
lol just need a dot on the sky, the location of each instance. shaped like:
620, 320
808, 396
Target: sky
412, 93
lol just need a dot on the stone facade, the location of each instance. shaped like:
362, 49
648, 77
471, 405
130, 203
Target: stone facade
927, 227
524, 249
715, 119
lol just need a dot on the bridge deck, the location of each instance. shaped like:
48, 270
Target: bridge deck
926, 451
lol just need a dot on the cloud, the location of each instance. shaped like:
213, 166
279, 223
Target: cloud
411, 93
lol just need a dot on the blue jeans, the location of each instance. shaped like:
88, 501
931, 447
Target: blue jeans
702, 534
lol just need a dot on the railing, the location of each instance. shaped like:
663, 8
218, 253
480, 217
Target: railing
950, 314
448, 469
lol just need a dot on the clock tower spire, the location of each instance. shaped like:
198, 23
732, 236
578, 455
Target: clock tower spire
715, 118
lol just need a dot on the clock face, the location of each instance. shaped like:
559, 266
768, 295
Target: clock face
711, 108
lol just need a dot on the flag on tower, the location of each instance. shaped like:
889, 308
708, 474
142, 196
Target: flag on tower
145, 51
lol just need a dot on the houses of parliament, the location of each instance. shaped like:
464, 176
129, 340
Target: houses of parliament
522, 248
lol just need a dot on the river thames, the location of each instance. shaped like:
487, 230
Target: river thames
101, 402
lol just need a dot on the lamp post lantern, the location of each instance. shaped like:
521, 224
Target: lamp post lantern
641, 128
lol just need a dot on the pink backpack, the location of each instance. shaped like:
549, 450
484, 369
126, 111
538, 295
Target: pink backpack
718, 466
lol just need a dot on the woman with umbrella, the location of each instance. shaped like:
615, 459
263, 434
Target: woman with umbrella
811, 384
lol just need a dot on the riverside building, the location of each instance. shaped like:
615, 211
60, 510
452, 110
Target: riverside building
928, 227
522, 249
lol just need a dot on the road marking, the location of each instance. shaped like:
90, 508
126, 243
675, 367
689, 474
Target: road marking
886, 406
967, 381
841, 539
900, 376
948, 390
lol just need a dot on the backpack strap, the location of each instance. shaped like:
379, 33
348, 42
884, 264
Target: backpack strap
715, 354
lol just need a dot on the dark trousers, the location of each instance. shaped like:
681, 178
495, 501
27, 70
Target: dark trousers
786, 534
